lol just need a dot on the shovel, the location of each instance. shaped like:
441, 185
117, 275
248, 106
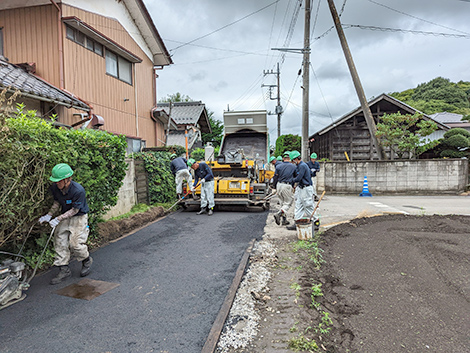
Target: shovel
316, 206
177, 202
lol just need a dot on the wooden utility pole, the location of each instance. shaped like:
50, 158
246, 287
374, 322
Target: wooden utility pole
357, 82
306, 82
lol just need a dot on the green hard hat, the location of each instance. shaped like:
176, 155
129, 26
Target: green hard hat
60, 172
191, 161
279, 158
313, 155
272, 158
173, 156
286, 153
293, 155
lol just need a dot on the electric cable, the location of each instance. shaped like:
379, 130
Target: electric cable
223, 27
323, 97
417, 18
385, 29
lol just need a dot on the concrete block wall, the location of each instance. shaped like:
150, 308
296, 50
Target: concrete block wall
127, 193
422, 176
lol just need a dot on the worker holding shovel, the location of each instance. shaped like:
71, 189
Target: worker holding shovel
71, 226
203, 173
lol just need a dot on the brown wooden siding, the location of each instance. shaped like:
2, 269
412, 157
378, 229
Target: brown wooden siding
114, 100
31, 35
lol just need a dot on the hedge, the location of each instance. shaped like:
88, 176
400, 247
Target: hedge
30, 147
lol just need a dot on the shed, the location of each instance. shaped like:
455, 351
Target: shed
350, 134
188, 116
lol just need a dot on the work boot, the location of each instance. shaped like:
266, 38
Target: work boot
291, 227
202, 211
86, 266
64, 272
211, 212
277, 218
285, 222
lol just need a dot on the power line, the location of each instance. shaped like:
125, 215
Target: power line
415, 17
223, 27
385, 29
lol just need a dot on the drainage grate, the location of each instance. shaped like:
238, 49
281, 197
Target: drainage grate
87, 289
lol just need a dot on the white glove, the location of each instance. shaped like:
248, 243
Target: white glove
45, 218
192, 189
203, 181
53, 223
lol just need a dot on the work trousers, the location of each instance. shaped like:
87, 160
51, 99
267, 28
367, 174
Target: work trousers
314, 186
70, 236
182, 174
286, 196
303, 202
207, 194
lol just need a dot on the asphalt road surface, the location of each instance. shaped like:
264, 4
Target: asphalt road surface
173, 277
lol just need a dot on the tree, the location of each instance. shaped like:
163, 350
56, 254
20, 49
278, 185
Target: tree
455, 144
438, 95
287, 143
176, 97
405, 134
217, 128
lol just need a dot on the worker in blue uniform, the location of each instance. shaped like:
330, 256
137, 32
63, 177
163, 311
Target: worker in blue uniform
203, 173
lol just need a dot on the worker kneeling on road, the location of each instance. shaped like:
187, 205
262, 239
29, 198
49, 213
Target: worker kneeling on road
72, 230
283, 180
204, 173
304, 205
179, 168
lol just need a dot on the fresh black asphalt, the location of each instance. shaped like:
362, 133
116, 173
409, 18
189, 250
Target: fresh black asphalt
173, 277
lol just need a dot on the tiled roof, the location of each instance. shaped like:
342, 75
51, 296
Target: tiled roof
188, 113
446, 117
15, 78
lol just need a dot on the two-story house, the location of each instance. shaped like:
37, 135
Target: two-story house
107, 53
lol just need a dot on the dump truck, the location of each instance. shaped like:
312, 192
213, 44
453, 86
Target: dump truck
241, 170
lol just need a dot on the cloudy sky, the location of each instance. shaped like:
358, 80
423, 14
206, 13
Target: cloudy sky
220, 49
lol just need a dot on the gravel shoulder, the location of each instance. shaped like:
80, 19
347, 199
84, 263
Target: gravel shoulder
393, 283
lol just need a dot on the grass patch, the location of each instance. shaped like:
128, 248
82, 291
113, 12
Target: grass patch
311, 248
140, 208
302, 343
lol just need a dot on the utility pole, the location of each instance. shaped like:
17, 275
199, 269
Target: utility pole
306, 82
357, 82
279, 110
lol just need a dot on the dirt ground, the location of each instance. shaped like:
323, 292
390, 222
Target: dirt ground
111, 230
394, 283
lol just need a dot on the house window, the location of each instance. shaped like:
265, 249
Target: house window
118, 67
80, 38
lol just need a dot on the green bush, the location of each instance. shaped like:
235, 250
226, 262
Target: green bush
455, 143
287, 143
457, 131
30, 147
161, 181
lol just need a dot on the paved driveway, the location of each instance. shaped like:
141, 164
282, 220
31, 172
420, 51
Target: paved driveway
173, 277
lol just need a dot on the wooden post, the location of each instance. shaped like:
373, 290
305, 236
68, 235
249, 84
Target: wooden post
357, 82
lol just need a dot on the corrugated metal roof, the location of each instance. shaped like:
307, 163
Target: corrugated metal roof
15, 78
